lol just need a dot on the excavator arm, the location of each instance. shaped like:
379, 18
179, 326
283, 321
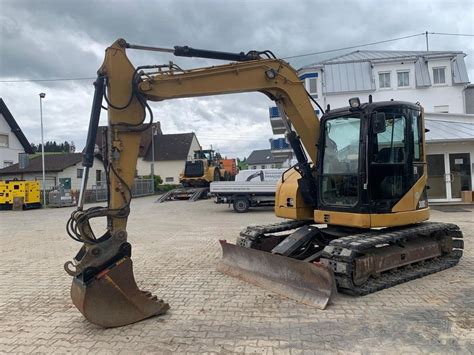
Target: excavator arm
103, 288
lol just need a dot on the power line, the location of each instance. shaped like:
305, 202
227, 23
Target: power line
288, 57
41, 80
352, 47
451, 34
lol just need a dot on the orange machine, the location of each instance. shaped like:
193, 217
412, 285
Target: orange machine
230, 165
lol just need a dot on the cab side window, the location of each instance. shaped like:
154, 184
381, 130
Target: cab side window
390, 145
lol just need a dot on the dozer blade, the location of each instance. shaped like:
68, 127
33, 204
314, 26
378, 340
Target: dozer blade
308, 283
112, 298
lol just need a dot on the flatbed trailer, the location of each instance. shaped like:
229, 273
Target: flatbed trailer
243, 195
190, 194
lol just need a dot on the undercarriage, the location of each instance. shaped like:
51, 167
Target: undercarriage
364, 261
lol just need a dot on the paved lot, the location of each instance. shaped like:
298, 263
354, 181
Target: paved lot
175, 254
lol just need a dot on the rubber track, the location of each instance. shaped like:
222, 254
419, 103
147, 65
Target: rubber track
341, 253
251, 234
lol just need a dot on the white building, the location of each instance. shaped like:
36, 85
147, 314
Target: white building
171, 152
60, 169
12, 140
264, 159
437, 80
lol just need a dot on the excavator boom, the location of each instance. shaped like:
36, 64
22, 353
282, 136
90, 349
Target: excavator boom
361, 170
104, 288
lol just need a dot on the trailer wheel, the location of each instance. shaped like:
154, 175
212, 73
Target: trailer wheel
241, 204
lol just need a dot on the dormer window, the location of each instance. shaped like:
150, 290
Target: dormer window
439, 76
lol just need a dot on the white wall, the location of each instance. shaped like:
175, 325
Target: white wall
52, 179
71, 172
264, 166
450, 148
14, 148
429, 97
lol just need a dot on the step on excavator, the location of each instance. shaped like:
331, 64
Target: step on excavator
355, 205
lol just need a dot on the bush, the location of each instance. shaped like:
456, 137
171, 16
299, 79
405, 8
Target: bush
157, 183
166, 187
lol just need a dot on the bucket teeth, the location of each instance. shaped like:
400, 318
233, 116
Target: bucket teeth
113, 299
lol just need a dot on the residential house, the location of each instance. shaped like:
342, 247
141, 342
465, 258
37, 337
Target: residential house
170, 152
438, 80
264, 159
60, 168
13, 142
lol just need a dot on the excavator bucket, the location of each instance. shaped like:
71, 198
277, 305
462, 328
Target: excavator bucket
308, 283
112, 298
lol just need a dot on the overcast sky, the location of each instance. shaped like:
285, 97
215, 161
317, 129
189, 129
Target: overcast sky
66, 39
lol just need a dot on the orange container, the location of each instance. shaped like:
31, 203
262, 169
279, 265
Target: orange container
230, 166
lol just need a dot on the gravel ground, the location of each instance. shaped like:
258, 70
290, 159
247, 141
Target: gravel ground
175, 253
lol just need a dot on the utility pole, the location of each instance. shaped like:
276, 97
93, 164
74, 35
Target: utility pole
152, 167
42, 95
426, 36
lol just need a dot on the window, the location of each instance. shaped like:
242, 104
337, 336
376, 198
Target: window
341, 161
4, 140
79, 173
7, 163
439, 76
169, 179
390, 146
388, 175
262, 166
441, 109
403, 78
417, 137
313, 85
98, 175
384, 80
254, 167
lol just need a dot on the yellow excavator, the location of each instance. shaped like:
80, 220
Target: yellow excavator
205, 168
355, 204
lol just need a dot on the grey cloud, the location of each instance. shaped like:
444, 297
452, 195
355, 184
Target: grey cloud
56, 38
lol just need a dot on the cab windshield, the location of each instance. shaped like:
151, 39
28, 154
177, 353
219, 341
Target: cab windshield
341, 161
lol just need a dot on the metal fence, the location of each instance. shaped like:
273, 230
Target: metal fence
141, 187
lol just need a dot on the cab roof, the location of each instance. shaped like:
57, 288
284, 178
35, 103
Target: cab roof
371, 107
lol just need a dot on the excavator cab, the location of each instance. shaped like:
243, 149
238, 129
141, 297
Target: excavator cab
372, 156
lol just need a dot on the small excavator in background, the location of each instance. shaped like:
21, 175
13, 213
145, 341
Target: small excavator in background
355, 204
206, 166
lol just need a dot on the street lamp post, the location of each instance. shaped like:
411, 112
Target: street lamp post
152, 167
42, 95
